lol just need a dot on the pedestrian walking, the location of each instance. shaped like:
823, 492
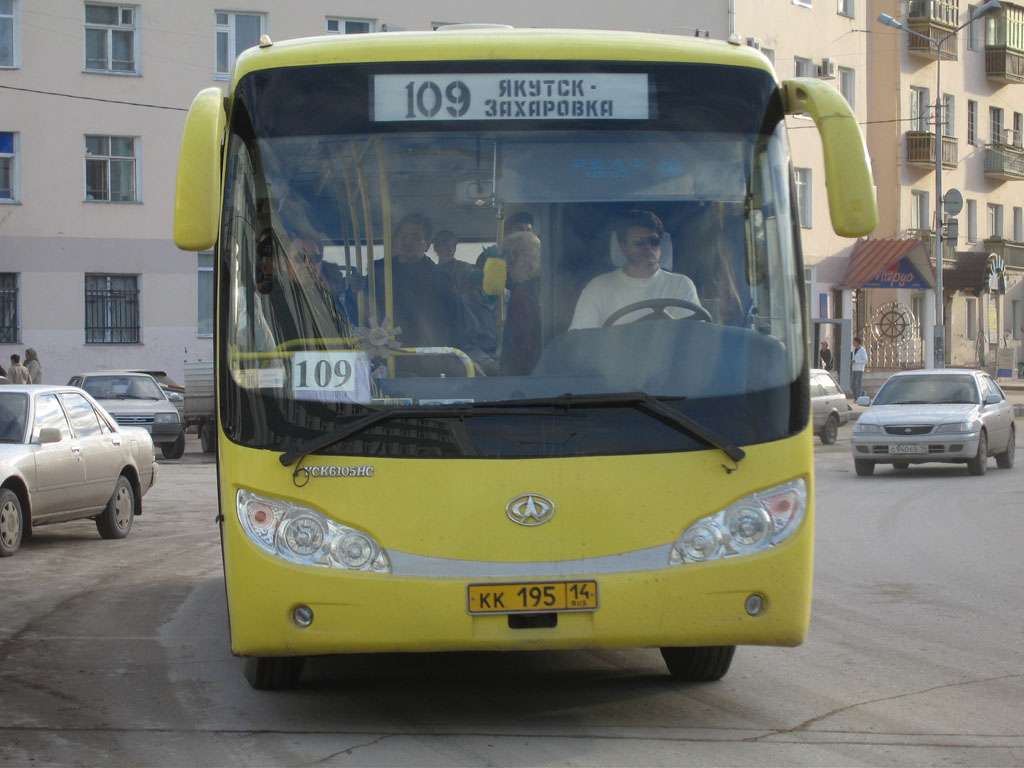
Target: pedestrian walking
16, 372
859, 361
35, 369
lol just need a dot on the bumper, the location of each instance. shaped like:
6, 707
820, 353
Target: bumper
885, 449
166, 433
357, 612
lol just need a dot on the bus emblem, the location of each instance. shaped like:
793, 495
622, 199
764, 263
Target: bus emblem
530, 509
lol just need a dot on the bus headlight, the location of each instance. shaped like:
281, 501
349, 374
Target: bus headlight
303, 535
749, 525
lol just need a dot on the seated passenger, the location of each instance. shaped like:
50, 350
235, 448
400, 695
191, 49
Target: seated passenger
522, 339
640, 279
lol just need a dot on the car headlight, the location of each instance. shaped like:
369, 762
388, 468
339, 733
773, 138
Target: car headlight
166, 418
751, 524
959, 426
303, 535
860, 428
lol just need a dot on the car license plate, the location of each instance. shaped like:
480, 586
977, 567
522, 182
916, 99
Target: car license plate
532, 597
908, 449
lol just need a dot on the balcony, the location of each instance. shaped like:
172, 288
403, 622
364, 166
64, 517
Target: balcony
934, 19
921, 149
1011, 253
1004, 161
1004, 64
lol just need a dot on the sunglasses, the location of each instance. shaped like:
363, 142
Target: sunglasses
653, 240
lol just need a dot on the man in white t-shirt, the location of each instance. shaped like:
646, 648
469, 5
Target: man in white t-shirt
640, 279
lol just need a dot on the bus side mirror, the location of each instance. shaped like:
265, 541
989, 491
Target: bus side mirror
851, 189
197, 196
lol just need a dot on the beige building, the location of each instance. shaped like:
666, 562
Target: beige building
93, 97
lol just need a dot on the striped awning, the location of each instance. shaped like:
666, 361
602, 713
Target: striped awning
870, 258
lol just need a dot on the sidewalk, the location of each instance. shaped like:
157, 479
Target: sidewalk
1014, 389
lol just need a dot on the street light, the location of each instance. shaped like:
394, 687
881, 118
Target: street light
939, 333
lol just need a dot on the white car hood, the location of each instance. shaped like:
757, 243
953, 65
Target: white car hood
925, 413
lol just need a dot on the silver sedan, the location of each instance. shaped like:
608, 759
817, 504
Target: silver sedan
949, 415
62, 457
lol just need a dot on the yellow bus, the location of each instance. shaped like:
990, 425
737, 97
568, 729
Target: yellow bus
511, 343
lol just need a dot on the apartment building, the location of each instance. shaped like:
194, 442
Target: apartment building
978, 86
93, 97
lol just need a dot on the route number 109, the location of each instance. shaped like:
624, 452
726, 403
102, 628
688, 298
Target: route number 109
427, 98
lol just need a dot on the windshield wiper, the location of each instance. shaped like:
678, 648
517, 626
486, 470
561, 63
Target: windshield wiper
640, 401
644, 403
394, 412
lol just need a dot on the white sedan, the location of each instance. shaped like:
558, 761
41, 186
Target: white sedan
947, 415
62, 457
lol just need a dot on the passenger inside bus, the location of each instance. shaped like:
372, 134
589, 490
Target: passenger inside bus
641, 281
522, 337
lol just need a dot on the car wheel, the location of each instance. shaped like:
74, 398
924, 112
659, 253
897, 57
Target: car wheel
699, 665
11, 522
901, 465
273, 674
174, 450
1004, 460
116, 520
863, 467
208, 437
830, 431
979, 463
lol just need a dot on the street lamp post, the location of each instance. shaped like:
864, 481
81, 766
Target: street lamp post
939, 330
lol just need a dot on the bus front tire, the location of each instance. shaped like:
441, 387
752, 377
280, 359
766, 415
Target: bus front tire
273, 673
699, 665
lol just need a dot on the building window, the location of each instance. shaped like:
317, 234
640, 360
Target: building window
1018, 129
804, 67
972, 221
995, 121
110, 38
917, 307
919, 101
769, 53
9, 308
8, 166
848, 85
1018, 224
995, 221
972, 319
948, 115
975, 30
919, 209
111, 309
204, 319
803, 195
235, 33
110, 168
336, 26
845, 8
1017, 313
972, 122
8, 33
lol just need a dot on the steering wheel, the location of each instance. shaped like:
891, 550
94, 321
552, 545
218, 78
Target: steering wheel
659, 313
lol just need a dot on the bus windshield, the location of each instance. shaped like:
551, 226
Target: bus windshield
408, 243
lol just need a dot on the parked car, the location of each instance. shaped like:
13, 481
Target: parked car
828, 405
136, 400
63, 457
174, 391
948, 415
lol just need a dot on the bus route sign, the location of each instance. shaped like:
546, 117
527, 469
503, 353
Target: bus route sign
513, 96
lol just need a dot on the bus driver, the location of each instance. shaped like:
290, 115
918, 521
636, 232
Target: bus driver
640, 279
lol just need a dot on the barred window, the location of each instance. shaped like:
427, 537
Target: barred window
111, 309
110, 169
9, 331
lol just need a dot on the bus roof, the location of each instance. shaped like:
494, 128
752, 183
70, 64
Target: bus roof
496, 44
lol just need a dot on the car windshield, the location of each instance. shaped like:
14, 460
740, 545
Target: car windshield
376, 262
13, 410
122, 388
914, 390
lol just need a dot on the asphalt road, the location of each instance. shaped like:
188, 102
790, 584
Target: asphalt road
116, 654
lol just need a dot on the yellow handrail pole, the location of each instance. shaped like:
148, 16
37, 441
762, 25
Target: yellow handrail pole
361, 180
356, 235
385, 204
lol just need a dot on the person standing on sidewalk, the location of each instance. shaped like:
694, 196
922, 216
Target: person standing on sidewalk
859, 360
16, 372
35, 369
